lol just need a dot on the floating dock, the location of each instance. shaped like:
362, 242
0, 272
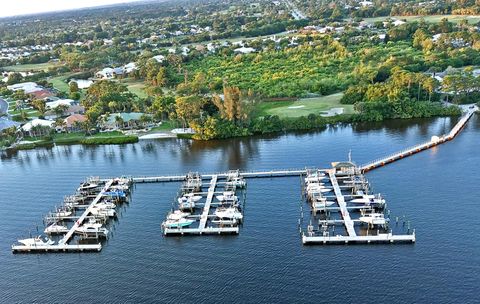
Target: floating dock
333, 220
93, 201
209, 216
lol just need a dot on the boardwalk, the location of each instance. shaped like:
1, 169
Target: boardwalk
79, 222
347, 220
423, 146
206, 207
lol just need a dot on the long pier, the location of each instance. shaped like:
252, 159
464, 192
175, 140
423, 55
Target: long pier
435, 141
347, 220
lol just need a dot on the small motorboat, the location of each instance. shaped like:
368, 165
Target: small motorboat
192, 197
87, 186
55, 228
228, 213
186, 205
228, 196
92, 229
106, 205
37, 242
236, 182
177, 214
62, 213
374, 219
368, 201
322, 203
103, 211
227, 222
181, 222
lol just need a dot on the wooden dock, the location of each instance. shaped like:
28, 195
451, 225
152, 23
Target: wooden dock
435, 141
347, 220
57, 248
321, 228
205, 215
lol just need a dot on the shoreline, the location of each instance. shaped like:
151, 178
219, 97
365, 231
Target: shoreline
135, 138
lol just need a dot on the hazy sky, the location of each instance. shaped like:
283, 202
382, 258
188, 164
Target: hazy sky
22, 7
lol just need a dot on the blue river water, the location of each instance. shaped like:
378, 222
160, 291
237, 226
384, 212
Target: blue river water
437, 190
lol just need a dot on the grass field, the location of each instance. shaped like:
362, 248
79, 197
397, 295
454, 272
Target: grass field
59, 83
433, 18
31, 67
136, 87
303, 107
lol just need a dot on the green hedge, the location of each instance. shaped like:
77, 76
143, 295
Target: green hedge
109, 140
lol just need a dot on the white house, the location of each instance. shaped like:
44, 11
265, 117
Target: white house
398, 22
109, 73
56, 103
159, 58
366, 3
244, 50
27, 87
27, 128
130, 67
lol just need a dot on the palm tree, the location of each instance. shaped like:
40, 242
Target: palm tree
119, 121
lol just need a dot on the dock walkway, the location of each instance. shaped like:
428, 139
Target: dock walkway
435, 141
347, 220
206, 207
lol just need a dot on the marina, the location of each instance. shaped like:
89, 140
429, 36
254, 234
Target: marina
219, 210
90, 209
357, 217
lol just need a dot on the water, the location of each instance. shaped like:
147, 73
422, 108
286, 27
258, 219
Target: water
437, 190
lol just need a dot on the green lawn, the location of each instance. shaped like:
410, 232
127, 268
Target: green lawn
433, 18
303, 107
59, 83
165, 126
136, 87
31, 67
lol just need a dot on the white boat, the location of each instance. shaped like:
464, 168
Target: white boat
103, 211
322, 204
191, 196
62, 213
55, 228
227, 196
177, 214
106, 205
87, 186
365, 200
373, 219
225, 222
36, 242
181, 222
228, 213
186, 205
237, 182
92, 229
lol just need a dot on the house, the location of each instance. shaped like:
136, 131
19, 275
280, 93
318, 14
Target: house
42, 94
123, 120
398, 22
244, 50
366, 3
130, 67
53, 104
38, 127
27, 87
109, 73
70, 110
82, 83
159, 58
72, 122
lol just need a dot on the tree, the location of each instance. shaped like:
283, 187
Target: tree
234, 105
14, 78
73, 87
60, 109
39, 105
188, 108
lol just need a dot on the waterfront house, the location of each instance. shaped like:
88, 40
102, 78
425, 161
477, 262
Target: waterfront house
72, 122
38, 127
123, 121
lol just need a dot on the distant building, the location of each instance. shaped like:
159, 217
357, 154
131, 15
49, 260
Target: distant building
27, 87
53, 104
244, 50
38, 127
109, 73
123, 120
159, 58
72, 122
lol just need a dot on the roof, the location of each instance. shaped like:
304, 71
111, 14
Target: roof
70, 120
343, 164
28, 87
37, 122
56, 103
42, 94
125, 116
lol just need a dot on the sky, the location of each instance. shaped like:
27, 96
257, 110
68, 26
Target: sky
23, 7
